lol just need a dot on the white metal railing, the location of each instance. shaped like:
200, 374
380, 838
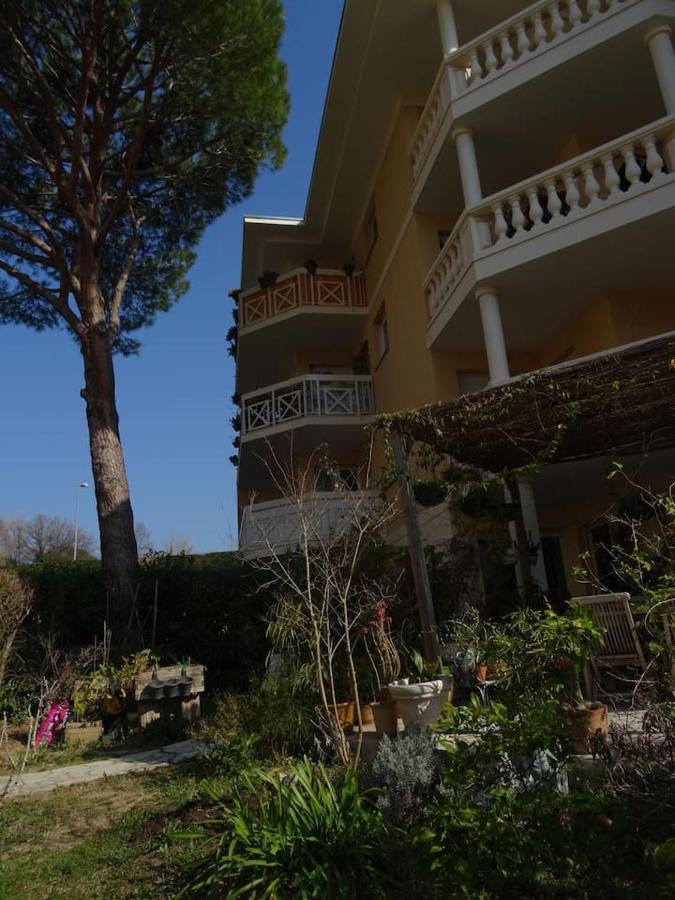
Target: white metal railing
310, 395
277, 526
510, 44
580, 186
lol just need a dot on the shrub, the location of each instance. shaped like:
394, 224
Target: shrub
279, 721
305, 836
16, 599
407, 773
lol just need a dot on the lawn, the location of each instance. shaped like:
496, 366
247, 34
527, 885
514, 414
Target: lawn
107, 839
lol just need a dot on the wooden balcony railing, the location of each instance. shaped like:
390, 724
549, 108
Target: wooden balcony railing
328, 289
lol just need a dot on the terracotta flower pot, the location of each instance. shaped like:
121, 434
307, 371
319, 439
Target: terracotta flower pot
366, 714
345, 713
386, 720
586, 723
482, 672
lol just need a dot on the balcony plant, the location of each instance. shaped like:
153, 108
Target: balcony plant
311, 265
349, 267
268, 279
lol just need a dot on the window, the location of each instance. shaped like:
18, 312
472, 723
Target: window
382, 330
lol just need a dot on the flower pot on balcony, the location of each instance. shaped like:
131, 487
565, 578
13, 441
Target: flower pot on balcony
586, 723
386, 719
311, 265
422, 704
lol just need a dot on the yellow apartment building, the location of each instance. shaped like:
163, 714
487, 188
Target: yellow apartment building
493, 193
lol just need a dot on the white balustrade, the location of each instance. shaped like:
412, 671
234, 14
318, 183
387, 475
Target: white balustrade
309, 396
278, 526
447, 270
605, 175
506, 46
524, 35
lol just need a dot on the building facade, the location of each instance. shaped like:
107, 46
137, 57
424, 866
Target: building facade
493, 193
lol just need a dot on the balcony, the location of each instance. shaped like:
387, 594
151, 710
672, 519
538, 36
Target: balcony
317, 400
599, 221
299, 313
328, 291
277, 526
546, 36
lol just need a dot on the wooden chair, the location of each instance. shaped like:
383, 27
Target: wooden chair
621, 645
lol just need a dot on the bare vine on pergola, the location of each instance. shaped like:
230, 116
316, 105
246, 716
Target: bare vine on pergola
617, 404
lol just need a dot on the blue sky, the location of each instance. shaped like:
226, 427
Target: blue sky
173, 399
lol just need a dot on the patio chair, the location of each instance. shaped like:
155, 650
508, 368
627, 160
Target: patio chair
621, 645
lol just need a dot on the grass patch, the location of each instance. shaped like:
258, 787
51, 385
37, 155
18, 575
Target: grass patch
106, 839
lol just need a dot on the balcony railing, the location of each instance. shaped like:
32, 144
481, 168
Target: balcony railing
606, 177
580, 187
312, 396
511, 44
327, 289
279, 526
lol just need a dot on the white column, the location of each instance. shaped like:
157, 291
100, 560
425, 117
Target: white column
660, 43
493, 334
531, 522
446, 23
468, 166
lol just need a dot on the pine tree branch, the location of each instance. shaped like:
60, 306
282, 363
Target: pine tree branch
54, 300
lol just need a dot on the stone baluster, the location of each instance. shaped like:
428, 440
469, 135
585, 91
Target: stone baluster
612, 180
518, 220
536, 209
633, 171
572, 196
592, 7
654, 159
475, 66
506, 49
557, 21
554, 201
501, 228
573, 13
538, 31
490, 59
591, 186
522, 40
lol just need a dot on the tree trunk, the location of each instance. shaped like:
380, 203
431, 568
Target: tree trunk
115, 517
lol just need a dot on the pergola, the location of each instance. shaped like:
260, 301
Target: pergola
618, 402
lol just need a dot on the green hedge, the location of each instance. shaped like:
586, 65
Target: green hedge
209, 610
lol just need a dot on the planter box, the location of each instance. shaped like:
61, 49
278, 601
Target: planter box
422, 704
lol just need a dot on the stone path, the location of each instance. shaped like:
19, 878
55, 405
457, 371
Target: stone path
38, 782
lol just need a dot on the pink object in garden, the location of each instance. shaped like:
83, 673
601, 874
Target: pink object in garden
53, 723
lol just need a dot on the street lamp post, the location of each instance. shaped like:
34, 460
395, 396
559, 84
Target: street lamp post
82, 484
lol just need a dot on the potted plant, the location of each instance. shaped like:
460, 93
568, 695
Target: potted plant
429, 493
422, 702
268, 279
311, 265
349, 268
